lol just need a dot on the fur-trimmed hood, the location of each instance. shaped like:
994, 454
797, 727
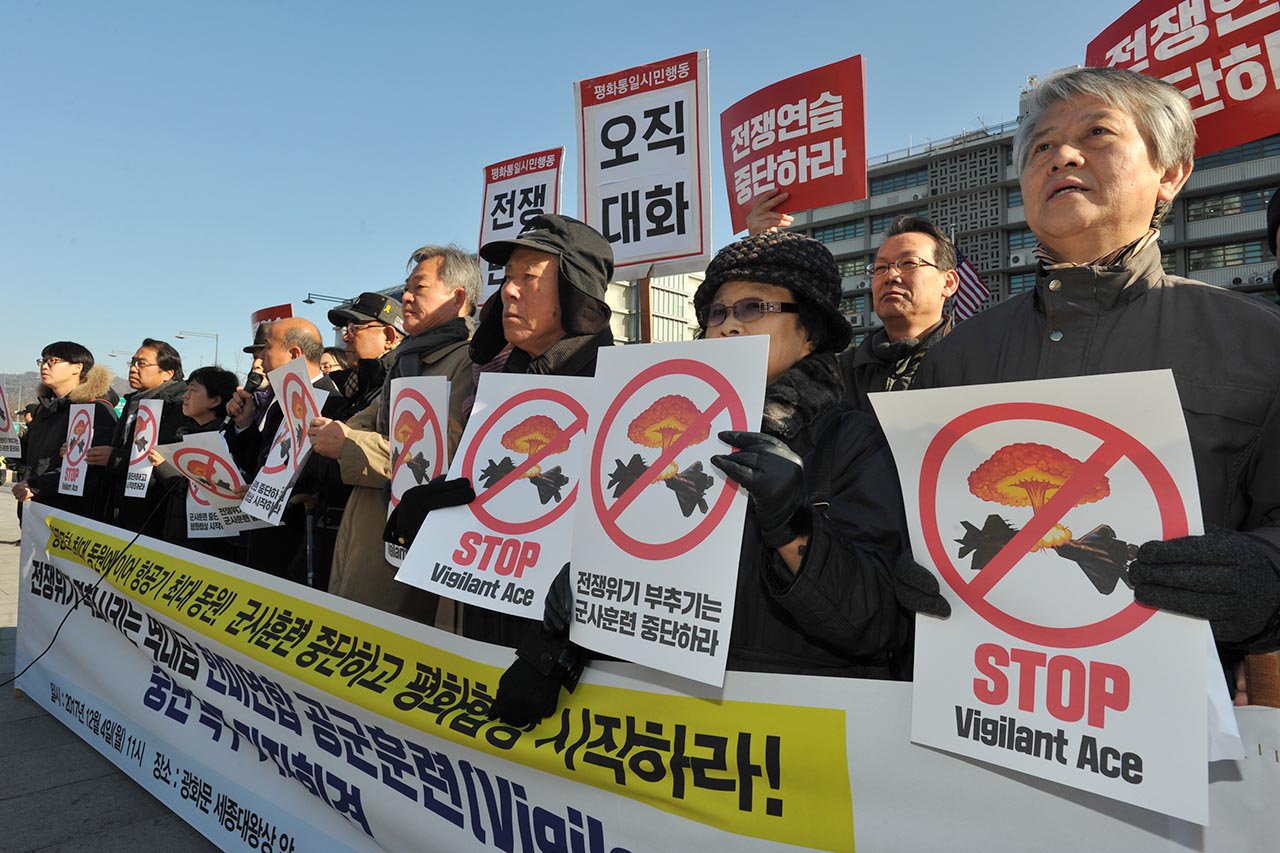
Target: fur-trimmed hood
94, 385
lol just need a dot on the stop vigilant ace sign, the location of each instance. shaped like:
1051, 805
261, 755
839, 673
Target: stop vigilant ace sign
1029, 500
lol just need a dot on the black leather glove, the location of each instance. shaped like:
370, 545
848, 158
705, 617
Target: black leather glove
529, 690
774, 477
1223, 576
416, 503
917, 590
557, 607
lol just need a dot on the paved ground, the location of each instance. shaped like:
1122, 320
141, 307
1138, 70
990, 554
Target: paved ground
56, 792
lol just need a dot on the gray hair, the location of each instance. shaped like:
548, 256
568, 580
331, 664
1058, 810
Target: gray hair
1162, 113
460, 268
305, 339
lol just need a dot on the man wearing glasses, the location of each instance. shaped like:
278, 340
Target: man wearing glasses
912, 276
155, 373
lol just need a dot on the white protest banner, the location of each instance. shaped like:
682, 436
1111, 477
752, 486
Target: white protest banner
419, 439
644, 148
10, 443
79, 438
300, 402
515, 191
523, 453
656, 545
213, 505
805, 135
146, 431
1029, 499
274, 717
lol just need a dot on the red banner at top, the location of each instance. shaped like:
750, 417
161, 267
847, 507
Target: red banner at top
642, 78
805, 135
1223, 54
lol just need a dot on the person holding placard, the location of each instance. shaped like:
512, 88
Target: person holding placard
826, 532
1103, 152
68, 375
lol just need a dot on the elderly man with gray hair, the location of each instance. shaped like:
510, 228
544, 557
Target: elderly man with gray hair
439, 295
1102, 153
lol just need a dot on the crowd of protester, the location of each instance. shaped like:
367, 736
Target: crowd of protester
827, 584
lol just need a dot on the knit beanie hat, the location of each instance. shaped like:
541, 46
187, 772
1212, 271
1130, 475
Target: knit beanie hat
786, 259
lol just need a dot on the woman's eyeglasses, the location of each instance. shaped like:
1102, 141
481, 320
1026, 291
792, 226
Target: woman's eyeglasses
744, 311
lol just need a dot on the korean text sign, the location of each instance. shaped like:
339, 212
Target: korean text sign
644, 154
75, 467
805, 135
515, 191
1028, 500
1223, 54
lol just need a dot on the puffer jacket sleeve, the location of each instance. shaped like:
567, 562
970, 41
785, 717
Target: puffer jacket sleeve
843, 594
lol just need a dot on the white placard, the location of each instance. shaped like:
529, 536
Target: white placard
213, 505
1029, 499
515, 191
301, 403
419, 439
10, 443
79, 439
644, 150
146, 432
523, 453
657, 541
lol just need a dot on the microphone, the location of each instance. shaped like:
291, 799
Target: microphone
251, 384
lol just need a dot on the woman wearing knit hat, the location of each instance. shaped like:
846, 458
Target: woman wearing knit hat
825, 558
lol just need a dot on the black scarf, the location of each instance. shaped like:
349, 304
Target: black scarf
573, 356
795, 399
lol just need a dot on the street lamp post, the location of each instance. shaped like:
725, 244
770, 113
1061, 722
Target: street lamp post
214, 335
312, 297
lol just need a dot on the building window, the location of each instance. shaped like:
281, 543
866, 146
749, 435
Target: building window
852, 266
900, 181
856, 304
1021, 281
1015, 198
881, 222
1169, 263
1226, 204
843, 231
1023, 239
1230, 255
858, 337
1268, 147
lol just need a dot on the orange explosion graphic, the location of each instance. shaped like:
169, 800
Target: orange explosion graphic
667, 420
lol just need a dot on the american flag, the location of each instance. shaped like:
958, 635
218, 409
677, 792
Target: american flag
972, 291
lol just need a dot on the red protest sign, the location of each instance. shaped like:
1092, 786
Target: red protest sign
210, 471
1223, 54
1116, 445
145, 433
416, 424
805, 135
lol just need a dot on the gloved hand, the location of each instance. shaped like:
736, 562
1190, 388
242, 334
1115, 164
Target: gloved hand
1223, 576
416, 503
529, 690
917, 590
774, 477
557, 607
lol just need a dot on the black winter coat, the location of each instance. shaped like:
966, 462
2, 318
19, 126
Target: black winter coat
48, 432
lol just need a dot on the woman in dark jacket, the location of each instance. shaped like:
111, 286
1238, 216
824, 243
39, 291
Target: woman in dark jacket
826, 529
68, 375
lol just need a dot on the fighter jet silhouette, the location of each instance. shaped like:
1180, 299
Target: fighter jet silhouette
690, 486
549, 483
984, 544
1102, 557
285, 444
418, 466
495, 471
141, 443
624, 475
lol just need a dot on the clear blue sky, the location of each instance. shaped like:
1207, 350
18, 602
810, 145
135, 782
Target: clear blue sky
177, 165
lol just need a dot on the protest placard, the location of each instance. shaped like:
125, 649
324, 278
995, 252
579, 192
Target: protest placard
1224, 55
656, 545
515, 191
78, 441
146, 432
419, 439
10, 444
523, 453
644, 150
1029, 500
805, 135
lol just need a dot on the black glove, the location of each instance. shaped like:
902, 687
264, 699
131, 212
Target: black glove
916, 589
774, 477
529, 690
557, 607
416, 503
1223, 576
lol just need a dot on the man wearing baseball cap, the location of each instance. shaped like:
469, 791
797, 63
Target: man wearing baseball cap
372, 327
551, 311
